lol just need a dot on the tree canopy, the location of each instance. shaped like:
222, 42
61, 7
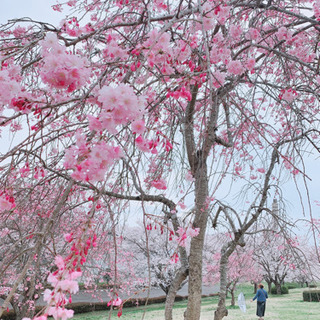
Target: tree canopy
152, 103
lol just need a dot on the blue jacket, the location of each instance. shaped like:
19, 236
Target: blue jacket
262, 295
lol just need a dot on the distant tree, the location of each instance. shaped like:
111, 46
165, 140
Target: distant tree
241, 268
156, 248
279, 257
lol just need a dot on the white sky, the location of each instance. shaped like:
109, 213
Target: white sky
36, 9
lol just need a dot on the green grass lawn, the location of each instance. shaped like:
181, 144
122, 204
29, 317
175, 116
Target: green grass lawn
286, 307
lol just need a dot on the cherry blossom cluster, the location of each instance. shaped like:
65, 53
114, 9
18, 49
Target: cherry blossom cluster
115, 302
185, 234
180, 93
10, 87
159, 184
150, 145
158, 51
62, 69
79, 249
114, 50
154, 178
21, 104
219, 14
287, 162
73, 29
288, 95
90, 163
286, 262
316, 9
119, 105
6, 202
63, 280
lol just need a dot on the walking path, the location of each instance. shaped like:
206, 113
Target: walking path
102, 295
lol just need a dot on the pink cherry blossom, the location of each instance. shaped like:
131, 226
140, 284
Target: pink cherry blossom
60, 69
219, 79
6, 203
289, 95
316, 9
120, 103
52, 279
252, 34
189, 176
235, 67
142, 144
11, 88
68, 237
138, 126
235, 31
175, 258
59, 262
222, 13
159, 184
192, 232
250, 63
69, 285
60, 313
117, 302
47, 295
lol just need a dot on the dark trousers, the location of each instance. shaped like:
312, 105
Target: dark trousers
261, 307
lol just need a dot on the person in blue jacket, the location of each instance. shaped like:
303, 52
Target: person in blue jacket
261, 297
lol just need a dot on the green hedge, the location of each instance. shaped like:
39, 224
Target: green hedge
293, 285
284, 290
311, 295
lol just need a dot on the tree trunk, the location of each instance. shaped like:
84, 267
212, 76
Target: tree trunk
25, 312
195, 280
269, 286
196, 247
232, 297
232, 290
22, 309
278, 286
222, 310
174, 287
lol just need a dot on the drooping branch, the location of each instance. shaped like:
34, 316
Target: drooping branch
40, 239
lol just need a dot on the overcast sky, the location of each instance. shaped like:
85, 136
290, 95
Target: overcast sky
35, 9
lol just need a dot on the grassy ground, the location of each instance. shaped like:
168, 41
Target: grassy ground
286, 307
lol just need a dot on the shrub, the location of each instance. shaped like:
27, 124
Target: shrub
284, 290
8, 315
311, 295
312, 285
293, 285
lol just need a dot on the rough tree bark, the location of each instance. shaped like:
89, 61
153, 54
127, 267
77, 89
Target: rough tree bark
197, 160
196, 248
232, 290
226, 251
174, 287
